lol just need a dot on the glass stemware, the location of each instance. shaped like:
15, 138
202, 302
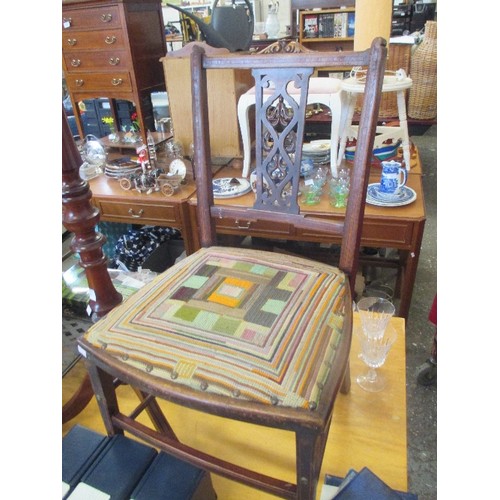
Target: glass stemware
375, 314
374, 353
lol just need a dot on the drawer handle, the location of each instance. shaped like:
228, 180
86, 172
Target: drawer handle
136, 215
110, 40
79, 83
106, 18
114, 61
71, 41
237, 222
75, 63
116, 81
67, 22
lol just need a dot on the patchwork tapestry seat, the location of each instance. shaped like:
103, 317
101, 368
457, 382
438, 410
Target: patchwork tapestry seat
241, 323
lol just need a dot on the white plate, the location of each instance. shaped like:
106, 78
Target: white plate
318, 147
230, 187
373, 197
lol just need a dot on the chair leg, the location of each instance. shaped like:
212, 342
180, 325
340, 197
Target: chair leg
105, 393
310, 446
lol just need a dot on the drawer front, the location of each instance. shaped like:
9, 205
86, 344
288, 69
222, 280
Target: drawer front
104, 82
140, 213
84, 40
256, 228
387, 234
116, 60
94, 18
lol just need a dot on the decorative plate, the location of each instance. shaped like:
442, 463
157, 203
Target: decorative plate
230, 187
405, 196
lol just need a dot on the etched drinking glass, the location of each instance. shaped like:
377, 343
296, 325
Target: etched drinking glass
374, 353
375, 314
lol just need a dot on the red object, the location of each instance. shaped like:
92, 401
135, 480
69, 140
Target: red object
433, 312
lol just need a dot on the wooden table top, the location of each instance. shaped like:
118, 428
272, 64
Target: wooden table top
413, 211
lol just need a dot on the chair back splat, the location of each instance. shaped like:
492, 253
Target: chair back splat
251, 336
279, 139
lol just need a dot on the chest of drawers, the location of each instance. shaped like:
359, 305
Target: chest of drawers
112, 49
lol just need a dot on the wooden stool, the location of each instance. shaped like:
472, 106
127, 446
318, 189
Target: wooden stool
355, 85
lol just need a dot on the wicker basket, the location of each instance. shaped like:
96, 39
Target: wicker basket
422, 103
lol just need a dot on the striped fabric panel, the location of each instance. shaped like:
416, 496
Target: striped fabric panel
241, 323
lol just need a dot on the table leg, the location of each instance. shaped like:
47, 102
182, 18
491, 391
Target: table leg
243, 106
408, 266
403, 124
345, 123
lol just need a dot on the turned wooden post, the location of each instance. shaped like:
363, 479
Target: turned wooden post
81, 218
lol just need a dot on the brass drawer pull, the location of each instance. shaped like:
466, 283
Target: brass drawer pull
72, 41
237, 222
116, 81
79, 83
75, 63
110, 40
136, 215
106, 18
114, 61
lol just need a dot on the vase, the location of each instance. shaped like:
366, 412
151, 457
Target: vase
272, 23
113, 136
422, 102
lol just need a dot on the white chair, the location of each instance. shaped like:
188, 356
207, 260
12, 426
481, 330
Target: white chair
355, 85
323, 90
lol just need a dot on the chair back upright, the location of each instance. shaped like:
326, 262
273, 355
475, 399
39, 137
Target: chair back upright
279, 133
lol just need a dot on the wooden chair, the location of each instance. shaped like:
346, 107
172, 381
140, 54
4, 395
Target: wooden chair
244, 334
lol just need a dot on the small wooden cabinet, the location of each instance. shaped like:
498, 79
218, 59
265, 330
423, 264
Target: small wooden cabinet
112, 49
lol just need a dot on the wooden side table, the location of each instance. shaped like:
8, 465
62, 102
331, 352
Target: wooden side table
112, 49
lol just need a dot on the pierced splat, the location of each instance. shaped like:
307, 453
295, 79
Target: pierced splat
280, 134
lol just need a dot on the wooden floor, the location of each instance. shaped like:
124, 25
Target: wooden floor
367, 430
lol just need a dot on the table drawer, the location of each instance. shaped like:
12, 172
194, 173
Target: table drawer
95, 18
101, 39
386, 234
102, 82
163, 214
96, 61
256, 228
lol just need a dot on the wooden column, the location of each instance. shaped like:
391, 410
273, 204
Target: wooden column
373, 18
80, 217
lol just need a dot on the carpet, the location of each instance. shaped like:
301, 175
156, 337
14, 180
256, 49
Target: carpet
72, 328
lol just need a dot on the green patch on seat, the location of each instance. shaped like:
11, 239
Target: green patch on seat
273, 306
206, 320
187, 313
195, 281
226, 325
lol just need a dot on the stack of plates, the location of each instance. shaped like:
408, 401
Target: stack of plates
374, 196
122, 167
317, 151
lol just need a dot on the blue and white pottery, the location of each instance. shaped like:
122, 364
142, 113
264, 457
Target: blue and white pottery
393, 178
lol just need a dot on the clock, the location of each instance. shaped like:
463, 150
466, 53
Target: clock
178, 167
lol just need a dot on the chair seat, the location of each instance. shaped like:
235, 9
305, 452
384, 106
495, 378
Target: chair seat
241, 323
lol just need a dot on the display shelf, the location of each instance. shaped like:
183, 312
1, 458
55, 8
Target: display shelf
327, 29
